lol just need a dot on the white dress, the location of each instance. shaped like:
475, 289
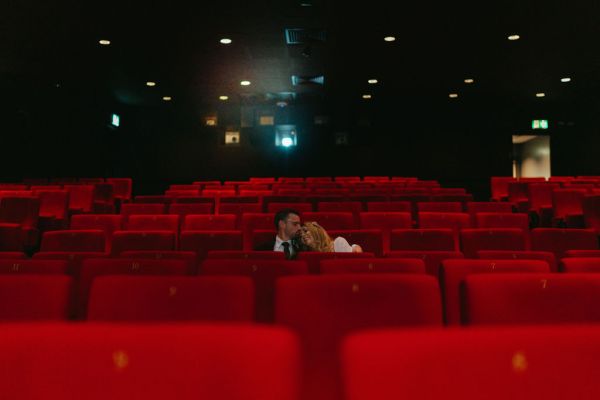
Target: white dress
341, 245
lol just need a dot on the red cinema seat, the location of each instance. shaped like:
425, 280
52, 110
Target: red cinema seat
568, 203
313, 258
389, 206
502, 220
94, 267
582, 253
171, 298
301, 207
226, 222
423, 239
499, 187
323, 309
29, 297
353, 207
184, 209
11, 238
432, 259
104, 198
142, 240
23, 211
331, 220
255, 221
452, 220
12, 255
453, 273
238, 209
585, 264
122, 188
473, 240
188, 256
499, 363
540, 195
519, 255
591, 212
474, 207
74, 240
558, 240
440, 206
184, 362
54, 208
153, 223
16, 266
74, 258
236, 254
153, 199
81, 198
371, 240
141, 208
202, 242
106, 222
532, 299
375, 265
386, 221
263, 272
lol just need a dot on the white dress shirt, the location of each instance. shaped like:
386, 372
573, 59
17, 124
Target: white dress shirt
279, 247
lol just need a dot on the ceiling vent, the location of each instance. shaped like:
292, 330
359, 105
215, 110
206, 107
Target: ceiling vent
304, 36
308, 80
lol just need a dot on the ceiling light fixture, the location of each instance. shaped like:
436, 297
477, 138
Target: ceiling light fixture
567, 79
223, 98
469, 80
167, 98
104, 42
225, 41
372, 81
540, 95
366, 96
453, 95
245, 83
150, 84
514, 37
389, 38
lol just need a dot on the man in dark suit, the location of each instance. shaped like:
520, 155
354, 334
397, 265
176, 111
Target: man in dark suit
287, 226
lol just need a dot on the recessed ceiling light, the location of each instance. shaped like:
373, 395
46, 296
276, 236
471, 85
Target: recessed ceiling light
566, 79
453, 95
514, 37
469, 80
104, 42
366, 96
167, 98
245, 83
372, 81
223, 98
540, 94
150, 83
389, 38
225, 41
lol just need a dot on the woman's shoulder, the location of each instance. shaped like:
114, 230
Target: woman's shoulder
341, 245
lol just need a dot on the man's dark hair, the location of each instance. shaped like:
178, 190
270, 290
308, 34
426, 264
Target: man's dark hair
282, 215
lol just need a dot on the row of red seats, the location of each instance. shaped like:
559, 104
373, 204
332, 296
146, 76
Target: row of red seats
235, 362
322, 311
469, 241
554, 202
27, 298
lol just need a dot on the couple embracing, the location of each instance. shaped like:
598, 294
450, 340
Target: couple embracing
293, 237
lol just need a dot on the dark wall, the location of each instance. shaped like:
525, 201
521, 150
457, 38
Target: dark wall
460, 143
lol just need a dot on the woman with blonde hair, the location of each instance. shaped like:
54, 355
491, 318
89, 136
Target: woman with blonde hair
315, 238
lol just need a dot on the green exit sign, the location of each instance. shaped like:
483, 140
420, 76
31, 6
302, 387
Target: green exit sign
539, 124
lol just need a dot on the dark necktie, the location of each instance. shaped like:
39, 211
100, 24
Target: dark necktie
286, 250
